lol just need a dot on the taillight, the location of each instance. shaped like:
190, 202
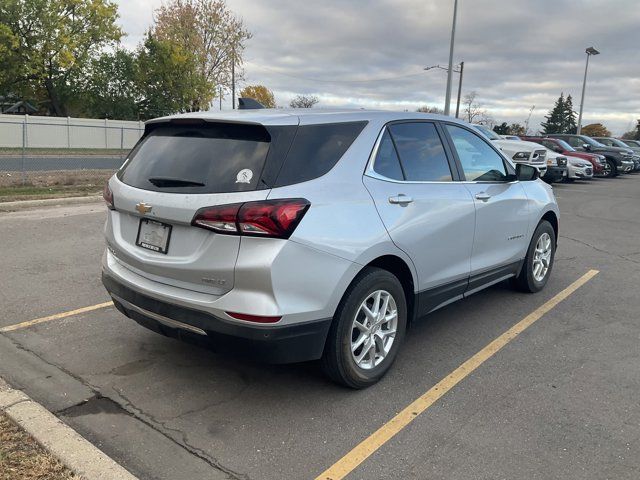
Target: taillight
107, 194
268, 218
221, 219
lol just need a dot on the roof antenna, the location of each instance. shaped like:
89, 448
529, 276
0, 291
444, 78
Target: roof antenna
246, 103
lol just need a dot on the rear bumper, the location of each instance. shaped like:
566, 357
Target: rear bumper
272, 344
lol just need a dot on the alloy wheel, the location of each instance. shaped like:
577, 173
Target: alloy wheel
373, 330
542, 257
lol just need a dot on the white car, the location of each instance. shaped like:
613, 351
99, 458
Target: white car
517, 150
578, 169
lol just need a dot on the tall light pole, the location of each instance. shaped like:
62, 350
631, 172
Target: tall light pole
459, 90
589, 51
447, 100
460, 70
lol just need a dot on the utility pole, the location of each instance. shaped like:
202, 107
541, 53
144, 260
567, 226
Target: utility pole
447, 100
233, 78
459, 89
220, 95
589, 51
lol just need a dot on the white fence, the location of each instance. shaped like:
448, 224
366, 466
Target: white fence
24, 131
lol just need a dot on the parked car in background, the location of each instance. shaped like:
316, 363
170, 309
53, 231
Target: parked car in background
517, 150
598, 162
631, 143
619, 159
578, 169
293, 236
614, 142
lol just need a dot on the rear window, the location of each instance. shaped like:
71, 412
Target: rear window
223, 158
316, 149
212, 158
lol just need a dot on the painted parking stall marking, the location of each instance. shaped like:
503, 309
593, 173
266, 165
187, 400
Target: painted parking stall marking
57, 316
386, 432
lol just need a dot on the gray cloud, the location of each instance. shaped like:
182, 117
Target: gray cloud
517, 53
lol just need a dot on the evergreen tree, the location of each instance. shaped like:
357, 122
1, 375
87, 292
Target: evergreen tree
554, 120
569, 124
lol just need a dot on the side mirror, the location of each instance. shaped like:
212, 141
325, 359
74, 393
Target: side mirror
557, 149
586, 146
526, 173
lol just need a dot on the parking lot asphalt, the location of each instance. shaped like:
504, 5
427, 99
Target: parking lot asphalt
562, 400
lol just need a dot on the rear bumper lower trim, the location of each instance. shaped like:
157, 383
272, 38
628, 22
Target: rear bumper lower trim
273, 344
159, 318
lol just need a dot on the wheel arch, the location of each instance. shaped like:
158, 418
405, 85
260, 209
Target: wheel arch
551, 217
402, 271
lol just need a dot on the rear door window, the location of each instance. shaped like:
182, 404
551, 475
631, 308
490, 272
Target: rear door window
211, 158
421, 152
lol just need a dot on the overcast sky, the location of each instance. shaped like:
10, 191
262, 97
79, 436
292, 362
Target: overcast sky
371, 54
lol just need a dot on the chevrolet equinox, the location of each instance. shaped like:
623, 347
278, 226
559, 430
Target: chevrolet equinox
290, 236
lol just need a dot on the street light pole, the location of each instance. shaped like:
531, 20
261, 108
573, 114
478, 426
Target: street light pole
589, 51
447, 100
459, 90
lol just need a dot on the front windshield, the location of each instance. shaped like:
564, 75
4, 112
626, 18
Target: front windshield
487, 132
565, 146
618, 143
592, 142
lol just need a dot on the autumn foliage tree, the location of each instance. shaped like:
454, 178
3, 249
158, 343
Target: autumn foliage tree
595, 130
261, 94
45, 43
209, 37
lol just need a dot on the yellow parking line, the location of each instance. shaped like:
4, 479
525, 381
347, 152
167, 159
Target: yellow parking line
57, 316
367, 447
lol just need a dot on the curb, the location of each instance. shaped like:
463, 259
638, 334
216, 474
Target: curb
60, 440
48, 202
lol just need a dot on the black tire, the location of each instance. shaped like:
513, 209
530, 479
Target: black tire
525, 281
337, 360
568, 180
613, 170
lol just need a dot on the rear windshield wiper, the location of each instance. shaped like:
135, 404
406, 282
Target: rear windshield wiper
168, 182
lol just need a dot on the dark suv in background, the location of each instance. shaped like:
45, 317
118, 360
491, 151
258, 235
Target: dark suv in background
614, 142
599, 162
620, 160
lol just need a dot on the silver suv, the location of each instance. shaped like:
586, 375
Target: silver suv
294, 236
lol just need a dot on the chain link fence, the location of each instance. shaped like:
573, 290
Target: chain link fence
44, 155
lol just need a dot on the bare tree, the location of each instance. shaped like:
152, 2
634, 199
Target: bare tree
428, 109
304, 101
472, 109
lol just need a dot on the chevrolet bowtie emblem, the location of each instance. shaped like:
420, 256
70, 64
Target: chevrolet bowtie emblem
143, 208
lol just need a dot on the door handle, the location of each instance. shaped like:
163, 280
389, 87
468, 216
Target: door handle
483, 196
400, 199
